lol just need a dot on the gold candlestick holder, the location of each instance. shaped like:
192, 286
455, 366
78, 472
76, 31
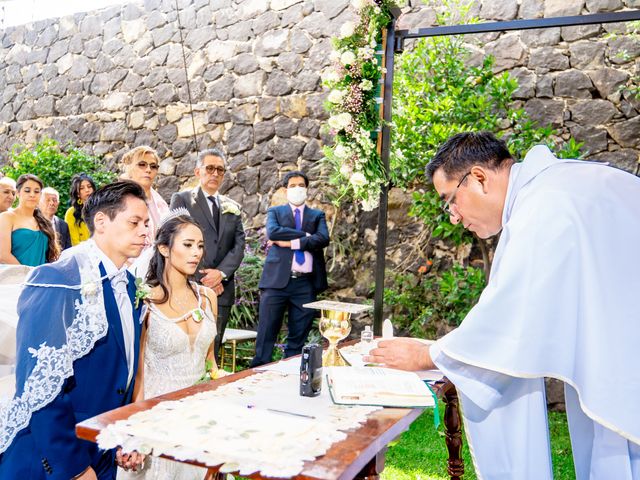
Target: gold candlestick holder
335, 325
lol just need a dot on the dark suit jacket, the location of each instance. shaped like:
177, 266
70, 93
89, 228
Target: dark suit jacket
281, 226
98, 384
224, 249
62, 229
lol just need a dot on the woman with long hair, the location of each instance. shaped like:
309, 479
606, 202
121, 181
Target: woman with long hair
82, 186
26, 236
176, 346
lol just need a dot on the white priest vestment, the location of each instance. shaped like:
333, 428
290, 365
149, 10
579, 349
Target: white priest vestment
563, 301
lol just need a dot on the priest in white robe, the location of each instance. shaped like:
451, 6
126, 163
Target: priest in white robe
561, 302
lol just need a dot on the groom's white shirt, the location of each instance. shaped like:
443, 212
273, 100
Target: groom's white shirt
119, 281
560, 303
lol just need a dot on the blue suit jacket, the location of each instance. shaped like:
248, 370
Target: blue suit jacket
48, 448
281, 226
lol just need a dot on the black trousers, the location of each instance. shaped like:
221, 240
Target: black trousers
221, 325
273, 302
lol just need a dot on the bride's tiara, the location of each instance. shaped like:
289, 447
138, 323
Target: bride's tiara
173, 213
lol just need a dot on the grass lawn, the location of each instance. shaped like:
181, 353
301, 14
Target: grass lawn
420, 452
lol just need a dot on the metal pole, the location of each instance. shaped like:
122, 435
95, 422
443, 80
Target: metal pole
381, 248
524, 24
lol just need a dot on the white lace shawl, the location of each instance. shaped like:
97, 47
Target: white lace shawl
42, 369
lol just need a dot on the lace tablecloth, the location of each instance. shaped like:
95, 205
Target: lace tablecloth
259, 423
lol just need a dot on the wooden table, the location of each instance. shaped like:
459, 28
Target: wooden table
359, 456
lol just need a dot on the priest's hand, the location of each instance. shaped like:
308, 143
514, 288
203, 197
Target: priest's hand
212, 278
401, 354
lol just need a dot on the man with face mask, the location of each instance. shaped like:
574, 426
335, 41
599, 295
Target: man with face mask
294, 271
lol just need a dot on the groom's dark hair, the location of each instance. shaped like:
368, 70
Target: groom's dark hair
110, 200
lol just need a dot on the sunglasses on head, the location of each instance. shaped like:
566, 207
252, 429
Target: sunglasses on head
212, 168
143, 165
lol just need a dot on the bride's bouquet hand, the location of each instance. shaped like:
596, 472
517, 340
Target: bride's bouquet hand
218, 373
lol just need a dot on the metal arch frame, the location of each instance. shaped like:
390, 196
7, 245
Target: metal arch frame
395, 44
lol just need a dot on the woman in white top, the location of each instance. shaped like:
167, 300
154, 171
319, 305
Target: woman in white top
176, 346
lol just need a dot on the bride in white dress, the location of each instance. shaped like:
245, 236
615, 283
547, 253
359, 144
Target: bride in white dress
178, 332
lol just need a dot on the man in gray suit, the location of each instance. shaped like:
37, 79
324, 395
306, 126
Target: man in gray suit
219, 217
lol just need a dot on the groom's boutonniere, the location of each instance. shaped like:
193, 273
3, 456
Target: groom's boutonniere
229, 206
142, 291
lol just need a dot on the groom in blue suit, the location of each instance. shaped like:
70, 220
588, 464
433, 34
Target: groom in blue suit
294, 270
77, 350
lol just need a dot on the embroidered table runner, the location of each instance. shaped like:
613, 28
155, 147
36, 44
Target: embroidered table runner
259, 423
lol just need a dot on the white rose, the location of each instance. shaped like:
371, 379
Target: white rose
336, 96
341, 151
348, 58
331, 76
359, 4
334, 56
340, 121
358, 179
345, 170
366, 85
347, 29
369, 204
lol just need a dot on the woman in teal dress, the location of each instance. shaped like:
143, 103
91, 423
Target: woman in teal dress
26, 236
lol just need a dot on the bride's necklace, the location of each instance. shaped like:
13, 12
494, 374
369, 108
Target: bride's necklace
196, 313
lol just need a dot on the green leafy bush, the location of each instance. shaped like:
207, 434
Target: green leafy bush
244, 312
421, 301
55, 166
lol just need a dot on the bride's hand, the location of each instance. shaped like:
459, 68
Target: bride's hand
218, 373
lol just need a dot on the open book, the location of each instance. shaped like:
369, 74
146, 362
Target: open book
377, 386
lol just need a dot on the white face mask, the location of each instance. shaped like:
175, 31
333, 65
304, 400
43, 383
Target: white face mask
297, 195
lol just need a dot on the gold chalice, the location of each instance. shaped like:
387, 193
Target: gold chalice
335, 325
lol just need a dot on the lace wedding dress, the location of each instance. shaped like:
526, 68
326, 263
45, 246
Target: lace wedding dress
173, 360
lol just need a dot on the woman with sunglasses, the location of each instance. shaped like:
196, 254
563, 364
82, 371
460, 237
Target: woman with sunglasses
141, 166
82, 187
26, 236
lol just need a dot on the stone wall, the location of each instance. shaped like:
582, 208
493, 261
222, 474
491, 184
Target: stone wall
115, 78
572, 77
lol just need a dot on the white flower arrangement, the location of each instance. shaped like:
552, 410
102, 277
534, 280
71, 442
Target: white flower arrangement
229, 207
143, 290
353, 79
347, 29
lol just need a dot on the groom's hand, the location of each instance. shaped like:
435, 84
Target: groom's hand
88, 474
130, 461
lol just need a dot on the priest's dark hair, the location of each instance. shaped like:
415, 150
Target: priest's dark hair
460, 152
166, 236
111, 200
294, 174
